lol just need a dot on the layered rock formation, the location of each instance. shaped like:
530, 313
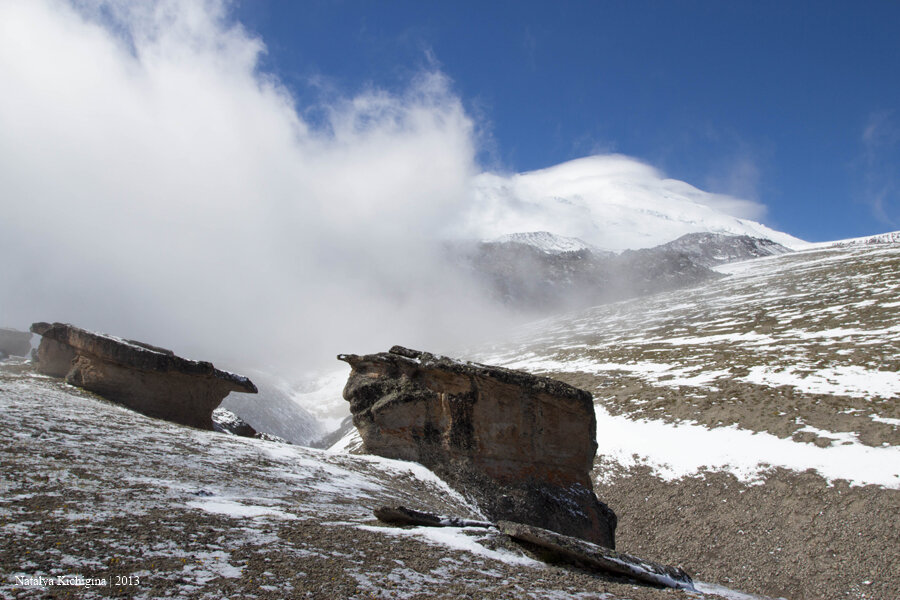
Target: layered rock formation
145, 378
522, 446
14, 342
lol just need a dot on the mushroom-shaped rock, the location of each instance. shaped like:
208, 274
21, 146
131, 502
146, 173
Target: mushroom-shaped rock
14, 342
521, 445
145, 378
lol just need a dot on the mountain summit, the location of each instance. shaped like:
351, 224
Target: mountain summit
612, 202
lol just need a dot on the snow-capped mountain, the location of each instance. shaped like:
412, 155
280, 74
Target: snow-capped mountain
612, 202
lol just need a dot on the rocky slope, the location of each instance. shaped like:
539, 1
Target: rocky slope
749, 428
711, 249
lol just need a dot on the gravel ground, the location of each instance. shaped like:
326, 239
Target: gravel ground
790, 535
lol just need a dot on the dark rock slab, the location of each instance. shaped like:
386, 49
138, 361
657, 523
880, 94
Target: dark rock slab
400, 515
520, 445
145, 378
562, 548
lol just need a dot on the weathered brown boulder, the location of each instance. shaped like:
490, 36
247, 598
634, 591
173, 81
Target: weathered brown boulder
145, 378
522, 446
14, 342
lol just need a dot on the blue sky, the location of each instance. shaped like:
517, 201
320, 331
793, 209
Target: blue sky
795, 105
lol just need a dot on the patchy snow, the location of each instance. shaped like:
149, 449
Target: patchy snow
458, 538
851, 380
350, 441
718, 590
684, 449
782, 336
206, 515
236, 509
892, 237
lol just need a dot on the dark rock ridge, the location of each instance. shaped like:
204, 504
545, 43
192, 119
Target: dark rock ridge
14, 342
711, 249
552, 547
525, 276
151, 380
520, 445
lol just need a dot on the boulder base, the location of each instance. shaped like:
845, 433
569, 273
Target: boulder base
151, 380
523, 446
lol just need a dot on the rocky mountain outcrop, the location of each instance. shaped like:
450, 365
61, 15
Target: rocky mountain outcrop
541, 272
521, 445
525, 277
711, 249
148, 379
14, 342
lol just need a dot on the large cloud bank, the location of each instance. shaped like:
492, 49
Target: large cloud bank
156, 184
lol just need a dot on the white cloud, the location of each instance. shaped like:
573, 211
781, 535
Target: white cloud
155, 184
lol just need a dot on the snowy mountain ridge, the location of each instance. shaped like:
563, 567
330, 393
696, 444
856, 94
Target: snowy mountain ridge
545, 241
